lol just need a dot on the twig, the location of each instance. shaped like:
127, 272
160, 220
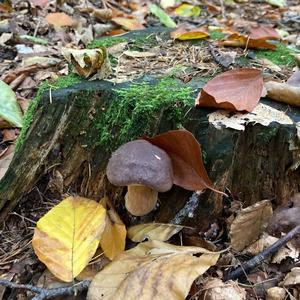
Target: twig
48, 293
256, 260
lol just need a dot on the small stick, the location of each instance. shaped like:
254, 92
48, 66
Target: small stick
48, 293
256, 260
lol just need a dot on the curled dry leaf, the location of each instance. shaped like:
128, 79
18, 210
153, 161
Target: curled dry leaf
216, 289
114, 235
153, 231
236, 90
287, 92
89, 62
60, 20
185, 34
67, 237
185, 153
292, 278
249, 224
151, 270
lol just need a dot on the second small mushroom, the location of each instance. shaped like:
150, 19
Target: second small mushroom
145, 169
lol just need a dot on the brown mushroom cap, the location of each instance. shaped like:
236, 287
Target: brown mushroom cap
140, 162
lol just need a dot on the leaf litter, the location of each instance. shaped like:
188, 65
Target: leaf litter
192, 60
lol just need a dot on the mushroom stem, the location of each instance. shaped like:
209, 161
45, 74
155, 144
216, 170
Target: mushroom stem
140, 199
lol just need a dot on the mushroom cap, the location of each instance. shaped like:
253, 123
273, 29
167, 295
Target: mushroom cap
140, 162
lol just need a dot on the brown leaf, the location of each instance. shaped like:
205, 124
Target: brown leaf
292, 278
236, 90
185, 34
60, 20
40, 3
249, 224
239, 40
185, 153
128, 23
264, 32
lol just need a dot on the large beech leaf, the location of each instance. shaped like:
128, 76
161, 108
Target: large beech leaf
114, 235
67, 237
153, 231
151, 270
9, 107
185, 153
183, 34
249, 224
236, 90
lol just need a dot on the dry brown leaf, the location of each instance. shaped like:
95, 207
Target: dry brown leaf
236, 90
151, 271
128, 23
152, 231
287, 92
139, 54
276, 293
216, 289
114, 235
249, 224
89, 62
60, 20
4, 163
292, 278
264, 32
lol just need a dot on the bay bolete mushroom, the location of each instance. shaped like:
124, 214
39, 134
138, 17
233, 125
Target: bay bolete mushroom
145, 169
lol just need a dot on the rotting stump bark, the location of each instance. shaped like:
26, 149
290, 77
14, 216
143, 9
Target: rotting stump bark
260, 162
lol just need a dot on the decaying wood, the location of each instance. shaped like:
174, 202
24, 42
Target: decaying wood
258, 163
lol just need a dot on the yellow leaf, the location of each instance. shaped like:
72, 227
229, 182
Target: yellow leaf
151, 270
153, 231
187, 10
67, 237
182, 34
114, 236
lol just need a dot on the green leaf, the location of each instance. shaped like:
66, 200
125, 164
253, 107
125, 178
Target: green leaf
163, 17
33, 39
9, 107
279, 3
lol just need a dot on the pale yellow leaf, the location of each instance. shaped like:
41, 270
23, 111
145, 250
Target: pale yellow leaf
292, 278
152, 231
145, 272
249, 224
114, 236
67, 237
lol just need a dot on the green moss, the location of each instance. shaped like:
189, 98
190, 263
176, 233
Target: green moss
265, 136
106, 42
216, 35
137, 109
281, 56
61, 82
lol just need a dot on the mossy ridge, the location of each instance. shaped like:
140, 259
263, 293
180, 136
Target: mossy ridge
61, 82
136, 110
280, 56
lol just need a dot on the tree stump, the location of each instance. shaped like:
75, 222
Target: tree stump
73, 133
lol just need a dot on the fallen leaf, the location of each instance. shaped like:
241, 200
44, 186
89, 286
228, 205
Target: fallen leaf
162, 16
292, 278
139, 54
4, 164
276, 293
153, 231
278, 3
5, 6
185, 153
60, 20
168, 3
151, 270
67, 237
114, 235
183, 34
216, 289
236, 90
286, 92
263, 32
39, 3
249, 224
89, 62
128, 23
239, 40
9, 107
187, 10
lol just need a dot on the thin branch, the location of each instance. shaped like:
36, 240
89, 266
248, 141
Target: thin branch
48, 293
259, 258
